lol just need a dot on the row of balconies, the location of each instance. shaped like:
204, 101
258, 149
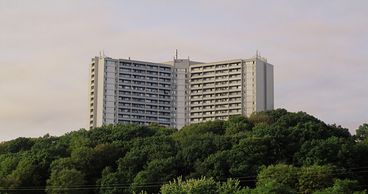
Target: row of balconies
218, 106
207, 86
141, 88
213, 80
143, 113
215, 113
145, 73
152, 95
144, 118
149, 91
210, 88
144, 106
214, 73
212, 102
145, 101
144, 66
221, 96
212, 67
217, 99
144, 95
141, 122
209, 118
144, 98
138, 84
204, 105
140, 111
224, 93
146, 78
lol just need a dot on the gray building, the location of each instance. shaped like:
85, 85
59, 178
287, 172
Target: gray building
128, 91
177, 92
222, 89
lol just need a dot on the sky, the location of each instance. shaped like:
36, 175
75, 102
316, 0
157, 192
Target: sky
319, 49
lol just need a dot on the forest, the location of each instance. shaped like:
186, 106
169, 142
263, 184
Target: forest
269, 152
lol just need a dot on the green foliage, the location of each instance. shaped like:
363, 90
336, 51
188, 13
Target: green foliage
342, 187
248, 155
273, 187
313, 178
324, 151
112, 183
237, 124
280, 173
157, 171
16, 145
232, 186
269, 152
362, 133
216, 165
215, 127
191, 186
66, 181
260, 117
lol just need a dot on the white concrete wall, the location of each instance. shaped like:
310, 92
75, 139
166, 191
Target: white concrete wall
250, 91
260, 85
109, 95
181, 97
270, 87
99, 80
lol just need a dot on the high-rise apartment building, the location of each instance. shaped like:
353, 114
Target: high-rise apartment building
222, 89
127, 91
177, 92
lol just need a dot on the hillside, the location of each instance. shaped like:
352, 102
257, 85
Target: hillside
269, 152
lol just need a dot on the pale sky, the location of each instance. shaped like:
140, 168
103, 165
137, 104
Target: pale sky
319, 49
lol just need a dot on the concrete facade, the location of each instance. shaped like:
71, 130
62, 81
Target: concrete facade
178, 92
131, 91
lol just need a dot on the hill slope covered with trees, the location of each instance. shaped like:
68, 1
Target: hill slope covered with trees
269, 152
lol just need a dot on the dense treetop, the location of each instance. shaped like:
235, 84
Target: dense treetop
269, 152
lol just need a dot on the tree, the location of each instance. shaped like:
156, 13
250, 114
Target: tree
345, 186
325, 151
191, 186
215, 127
27, 173
232, 186
362, 133
280, 173
157, 172
314, 178
66, 181
216, 165
112, 183
273, 187
195, 148
16, 145
249, 155
286, 151
236, 124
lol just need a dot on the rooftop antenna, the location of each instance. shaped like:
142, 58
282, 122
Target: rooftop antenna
102, 54
176, 53
257, 55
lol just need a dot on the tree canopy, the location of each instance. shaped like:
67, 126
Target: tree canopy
269, 152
